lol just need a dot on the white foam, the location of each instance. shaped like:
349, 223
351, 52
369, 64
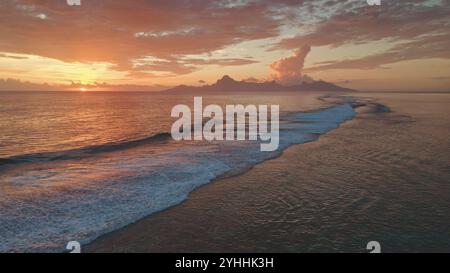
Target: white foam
72, 205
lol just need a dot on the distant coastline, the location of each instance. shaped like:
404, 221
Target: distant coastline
227, 84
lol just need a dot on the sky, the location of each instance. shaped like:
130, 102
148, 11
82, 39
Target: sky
401, 45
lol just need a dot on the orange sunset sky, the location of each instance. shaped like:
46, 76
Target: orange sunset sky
401, 45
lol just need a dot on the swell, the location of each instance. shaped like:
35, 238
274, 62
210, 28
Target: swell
155, 182
302, 119
369, 107
84, 151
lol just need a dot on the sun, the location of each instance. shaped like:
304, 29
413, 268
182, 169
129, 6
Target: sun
82, 89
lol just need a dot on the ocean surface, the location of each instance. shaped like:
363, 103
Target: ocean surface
382, 176
74, 166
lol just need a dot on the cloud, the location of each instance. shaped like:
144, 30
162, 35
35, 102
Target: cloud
435, 46
441, 78
177, 66
175, 33
18, 85
12, 57
416, 29
118, 32
289, 70
253, 79
221, 62
395, 20
171, 67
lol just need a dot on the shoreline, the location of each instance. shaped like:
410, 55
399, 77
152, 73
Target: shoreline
233, 174
357, 184
105, 241
237, 158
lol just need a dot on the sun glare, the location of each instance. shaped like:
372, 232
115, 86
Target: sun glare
83, 89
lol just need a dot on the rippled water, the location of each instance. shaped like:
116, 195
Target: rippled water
75, 165
383, 176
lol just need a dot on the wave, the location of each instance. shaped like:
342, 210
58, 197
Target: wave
84, 151
148, 183
368, 107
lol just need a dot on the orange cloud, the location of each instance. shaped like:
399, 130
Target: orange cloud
289, 70
119, 32
173, 42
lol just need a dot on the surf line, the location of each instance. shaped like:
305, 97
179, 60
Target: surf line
236, 118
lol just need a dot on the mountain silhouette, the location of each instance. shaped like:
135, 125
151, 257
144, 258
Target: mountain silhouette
228, 84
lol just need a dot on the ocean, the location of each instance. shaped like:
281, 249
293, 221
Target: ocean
74, 166
382, 176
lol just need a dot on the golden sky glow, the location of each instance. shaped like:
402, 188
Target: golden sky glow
101, 45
